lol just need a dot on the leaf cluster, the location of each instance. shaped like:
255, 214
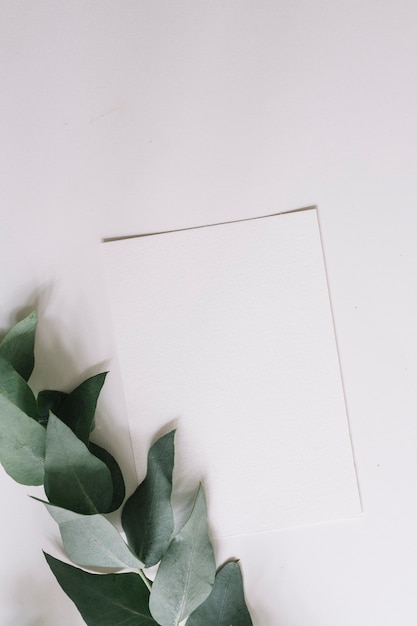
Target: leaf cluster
45, 440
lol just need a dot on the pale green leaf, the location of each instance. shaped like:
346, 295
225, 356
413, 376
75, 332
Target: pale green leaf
226, 604
119, 490
18, 345
16, 389
92, 541
147, 517
186, 573
105, 599
74, 478
22, 444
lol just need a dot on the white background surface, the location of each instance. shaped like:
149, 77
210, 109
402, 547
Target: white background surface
226, 333
129, 117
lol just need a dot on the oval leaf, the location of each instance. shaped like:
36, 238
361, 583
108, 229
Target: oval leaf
147, 517
119, 490
18, 345
92, 541
16, 389
22, 444
226, 604
186, 573
74, 478
104, 599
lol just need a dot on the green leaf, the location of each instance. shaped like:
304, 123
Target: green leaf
49, 400
16, 389
186, 573
226, 604
74, 478
119, 490
91, 540
22, 444
77, 408
18, 345
147, 517
104, 599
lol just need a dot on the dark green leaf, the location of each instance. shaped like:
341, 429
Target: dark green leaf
17, 346
104, 599
119, 490
22, 444
147, 517
226, 605
91, 540
49, 400
74, 478
186, 573
16, 389
77, 408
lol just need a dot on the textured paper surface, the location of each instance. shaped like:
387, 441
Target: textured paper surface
226, 333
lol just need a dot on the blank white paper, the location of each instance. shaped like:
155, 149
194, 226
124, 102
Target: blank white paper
225, 332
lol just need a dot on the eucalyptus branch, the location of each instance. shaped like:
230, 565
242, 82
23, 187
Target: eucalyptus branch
46, 440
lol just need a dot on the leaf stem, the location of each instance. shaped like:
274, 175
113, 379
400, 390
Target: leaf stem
145, 580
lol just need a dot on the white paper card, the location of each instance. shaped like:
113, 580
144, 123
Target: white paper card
226, 333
